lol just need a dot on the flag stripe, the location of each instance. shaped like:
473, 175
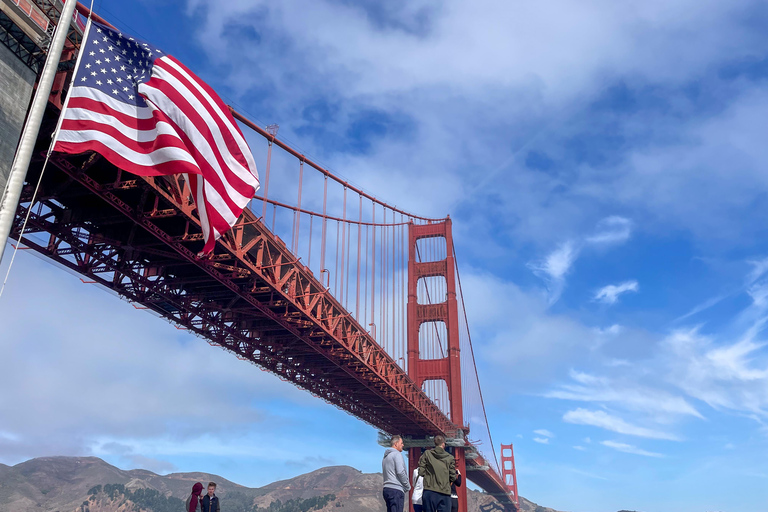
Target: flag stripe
162, 134
211, 115
82, 94
115, 156
206, 157
201, 122
196, 135
223, 113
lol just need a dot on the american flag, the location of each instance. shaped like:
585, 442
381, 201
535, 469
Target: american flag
148, 114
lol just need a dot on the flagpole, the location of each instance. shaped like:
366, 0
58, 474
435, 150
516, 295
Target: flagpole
20, 165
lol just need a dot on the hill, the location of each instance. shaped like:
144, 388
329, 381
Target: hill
88, 484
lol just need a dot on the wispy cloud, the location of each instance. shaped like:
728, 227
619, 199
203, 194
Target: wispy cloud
726, 375
759, 268
604, 420
627, 394
701, 307
611, 230
544, 432
555, 267
628, 448
541, 440
610, 294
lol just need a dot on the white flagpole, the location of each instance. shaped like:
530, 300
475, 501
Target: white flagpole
10, 199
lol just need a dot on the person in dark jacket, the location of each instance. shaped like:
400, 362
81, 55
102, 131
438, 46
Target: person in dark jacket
454, 494
438, 468
193, 502
210, 502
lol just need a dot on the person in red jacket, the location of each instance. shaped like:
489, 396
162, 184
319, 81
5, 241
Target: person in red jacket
210, 502
193, 502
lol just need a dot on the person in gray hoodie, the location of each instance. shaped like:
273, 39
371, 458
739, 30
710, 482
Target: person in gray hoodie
396, 482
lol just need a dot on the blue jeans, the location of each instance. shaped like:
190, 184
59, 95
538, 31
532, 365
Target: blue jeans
435, 502
394, 499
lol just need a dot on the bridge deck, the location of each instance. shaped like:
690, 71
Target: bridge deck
139, 236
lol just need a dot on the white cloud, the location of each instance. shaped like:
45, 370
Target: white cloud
732, 376
580, 448
701, 307
519, 331
91, 367
626, 392
343, 59
759, 268
628, 448
613, 330
541, 440
559, 262
554, 268
612, 230
604, 420
544, 432
610, 294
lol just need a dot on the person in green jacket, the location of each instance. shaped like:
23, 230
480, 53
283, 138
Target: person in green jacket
438, 468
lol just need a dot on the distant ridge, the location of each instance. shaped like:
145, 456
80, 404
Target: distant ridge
89, 484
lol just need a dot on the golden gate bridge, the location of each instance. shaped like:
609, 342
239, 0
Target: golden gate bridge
319, 282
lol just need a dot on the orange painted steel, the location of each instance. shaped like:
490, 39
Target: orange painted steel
508, 471
448, 368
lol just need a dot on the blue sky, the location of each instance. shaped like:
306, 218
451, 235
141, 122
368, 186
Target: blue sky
604, 166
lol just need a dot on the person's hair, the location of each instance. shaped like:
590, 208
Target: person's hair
212, 484
395, 439
439, 440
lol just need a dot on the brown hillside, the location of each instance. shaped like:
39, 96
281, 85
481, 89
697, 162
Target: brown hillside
62, 484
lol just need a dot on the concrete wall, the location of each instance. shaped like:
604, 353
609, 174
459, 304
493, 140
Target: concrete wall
16, 82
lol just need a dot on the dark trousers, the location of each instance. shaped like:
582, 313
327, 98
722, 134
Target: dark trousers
454, 504
394, 499
435, 502
417, 508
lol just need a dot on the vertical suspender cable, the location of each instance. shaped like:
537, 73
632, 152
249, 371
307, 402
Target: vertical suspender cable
365, 295
266, 182
297, 217
309, 256
373, 268
382, 300
359, 233
347, 285
403, 271
325, 222
393, 313
336, 271
343, 240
